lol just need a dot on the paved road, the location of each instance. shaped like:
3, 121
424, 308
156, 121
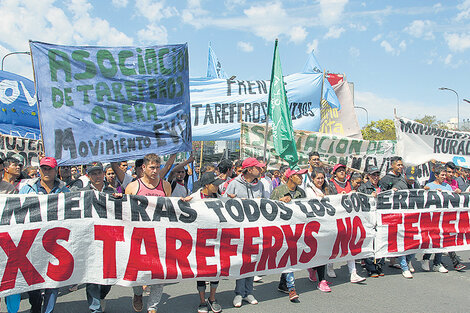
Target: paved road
426, 292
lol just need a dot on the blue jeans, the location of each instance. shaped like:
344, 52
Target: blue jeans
244, 286
437, 258
50, 298
94, 293
290, 280
403, 261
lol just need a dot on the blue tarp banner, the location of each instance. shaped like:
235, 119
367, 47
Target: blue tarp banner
112, 103
218, 105
18, 109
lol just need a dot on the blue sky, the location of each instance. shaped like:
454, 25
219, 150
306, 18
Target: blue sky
397, 53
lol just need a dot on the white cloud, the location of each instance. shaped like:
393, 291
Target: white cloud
334, 32
464, 9
120, 3
268, 21
42, 20
245, 46
458, 42
448, 59
382, 107
154, 10
390, 49
420, 29
331, 11
232, 4
377, 37
354, 52
298, 34
437, 7
402, 45
153, 34
359, 27
312, 46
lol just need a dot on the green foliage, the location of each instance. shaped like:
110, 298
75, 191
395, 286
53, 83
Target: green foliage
431, 120
379, 130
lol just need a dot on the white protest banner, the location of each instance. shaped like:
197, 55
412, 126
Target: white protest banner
355, 153
410, 221
28, 148
49, 241
112, 103
418, 143
218, 105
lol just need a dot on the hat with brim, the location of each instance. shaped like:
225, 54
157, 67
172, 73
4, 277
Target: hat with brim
338, 166
250, 162
290, 172
210, 178
94, 166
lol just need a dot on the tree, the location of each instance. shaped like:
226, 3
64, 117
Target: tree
431, 120
379, 130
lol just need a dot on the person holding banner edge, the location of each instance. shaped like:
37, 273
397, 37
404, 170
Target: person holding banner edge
395, 180
210, 185
247, 185
373, 266
340, 185
285, 193
317, 188
96, 293
48, 183
151, 184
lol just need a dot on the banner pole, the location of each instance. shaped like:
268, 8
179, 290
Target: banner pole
322, 83
269, 106
200, 158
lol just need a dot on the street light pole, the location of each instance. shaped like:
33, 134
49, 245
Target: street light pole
367, 113
15, 52
458, 101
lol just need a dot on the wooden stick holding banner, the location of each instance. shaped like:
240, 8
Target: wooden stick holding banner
200, 158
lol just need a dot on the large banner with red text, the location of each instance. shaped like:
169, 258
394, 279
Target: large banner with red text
91, 237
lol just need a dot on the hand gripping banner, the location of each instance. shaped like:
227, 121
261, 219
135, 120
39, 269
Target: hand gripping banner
90, 237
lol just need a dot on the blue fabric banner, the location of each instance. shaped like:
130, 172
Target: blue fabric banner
214, 67
218, 105
312, 66
18, 109
112, 103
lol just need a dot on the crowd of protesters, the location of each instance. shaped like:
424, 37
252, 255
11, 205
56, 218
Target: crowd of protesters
247, 178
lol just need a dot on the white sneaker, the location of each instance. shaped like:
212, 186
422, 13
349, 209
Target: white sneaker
355, 278
237, 301
410, 266
425, 265
257, 278
407, 274
440, 268
103, 305
250, 299
330, 271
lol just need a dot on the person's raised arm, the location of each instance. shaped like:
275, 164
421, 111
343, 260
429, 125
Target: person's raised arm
168, 165
120, 174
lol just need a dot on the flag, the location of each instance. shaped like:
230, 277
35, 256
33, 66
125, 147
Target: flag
214, 68
278, 108
328, 93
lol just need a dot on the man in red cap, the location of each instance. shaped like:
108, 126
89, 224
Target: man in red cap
47, 184
248, 186
286, 193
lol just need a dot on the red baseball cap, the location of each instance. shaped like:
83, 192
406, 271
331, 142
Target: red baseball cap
250, 162
337, 166
48, 161
290, 172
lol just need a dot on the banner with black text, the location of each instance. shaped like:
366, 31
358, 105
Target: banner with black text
89, 237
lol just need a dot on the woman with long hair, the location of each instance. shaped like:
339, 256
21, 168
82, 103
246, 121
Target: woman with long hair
317, 188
